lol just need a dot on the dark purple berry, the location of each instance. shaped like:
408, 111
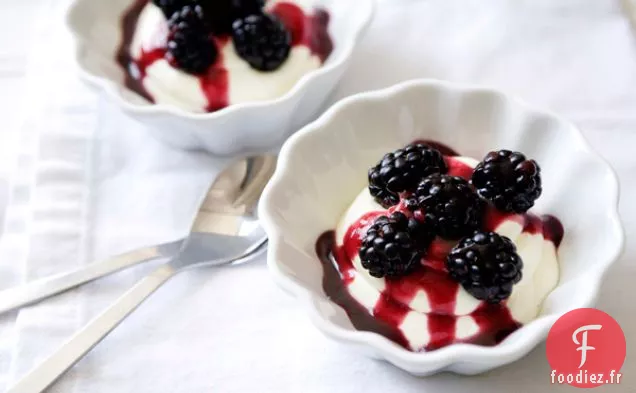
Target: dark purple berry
243, 8
402, 170
261, 40
218, 15
508, 180
169, 7
189, 46
394, 245
221, 14
449, 205
486, 265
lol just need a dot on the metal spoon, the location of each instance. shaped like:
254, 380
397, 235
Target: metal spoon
238, 238
229, 194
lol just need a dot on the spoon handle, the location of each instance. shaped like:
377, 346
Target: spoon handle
37, 290
43, 375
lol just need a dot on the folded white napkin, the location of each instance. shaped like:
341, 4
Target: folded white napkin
100, 185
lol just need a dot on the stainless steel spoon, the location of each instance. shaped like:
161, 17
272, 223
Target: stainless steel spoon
230, 235
230, 191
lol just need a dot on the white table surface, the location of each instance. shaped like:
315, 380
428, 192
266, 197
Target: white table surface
192, 336
15, 41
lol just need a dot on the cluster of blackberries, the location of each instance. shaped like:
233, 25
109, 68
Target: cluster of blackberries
258, 38
485, 263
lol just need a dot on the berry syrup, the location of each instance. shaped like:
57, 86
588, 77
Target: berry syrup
306, 30
493, 320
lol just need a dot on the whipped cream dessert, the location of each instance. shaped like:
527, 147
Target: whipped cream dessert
226, 76
428, 307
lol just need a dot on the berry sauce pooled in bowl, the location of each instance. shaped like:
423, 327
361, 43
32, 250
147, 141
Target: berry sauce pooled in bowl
204, 55
442, 249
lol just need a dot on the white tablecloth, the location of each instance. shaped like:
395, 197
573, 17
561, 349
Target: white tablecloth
89, 182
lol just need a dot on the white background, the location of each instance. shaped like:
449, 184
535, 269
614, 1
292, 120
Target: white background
89, 183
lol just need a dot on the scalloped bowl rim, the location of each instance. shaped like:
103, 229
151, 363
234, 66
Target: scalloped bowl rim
111, 87
534, 332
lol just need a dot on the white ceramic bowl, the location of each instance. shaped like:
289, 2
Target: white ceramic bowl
324, 166
241, 128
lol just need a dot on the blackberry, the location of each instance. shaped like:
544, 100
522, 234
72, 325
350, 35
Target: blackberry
189, 45
394, 245
402, 170
421, 233
169, 7
261, 40
243, 8
486, 265
222, 13
449, 205
218, 14
508, 180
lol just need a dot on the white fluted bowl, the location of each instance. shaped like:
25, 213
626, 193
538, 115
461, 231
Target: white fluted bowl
324, 166
244, 128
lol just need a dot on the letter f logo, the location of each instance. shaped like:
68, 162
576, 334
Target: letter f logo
583, 344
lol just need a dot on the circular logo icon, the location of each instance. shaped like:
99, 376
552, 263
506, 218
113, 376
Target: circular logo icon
586, 348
